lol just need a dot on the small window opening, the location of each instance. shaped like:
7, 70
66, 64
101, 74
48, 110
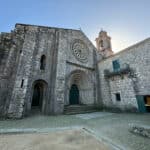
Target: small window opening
43, 62
22, 82
118, 97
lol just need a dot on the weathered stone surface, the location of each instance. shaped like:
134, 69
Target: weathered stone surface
69, 58
31, 43
140, 130
128, 84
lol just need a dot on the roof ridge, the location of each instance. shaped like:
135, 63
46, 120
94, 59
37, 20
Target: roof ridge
42, 26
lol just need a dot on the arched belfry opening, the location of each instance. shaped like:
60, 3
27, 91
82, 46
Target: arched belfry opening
43, 62
101, 43
74, 95
39, 95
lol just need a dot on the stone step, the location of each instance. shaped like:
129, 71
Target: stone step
77, 109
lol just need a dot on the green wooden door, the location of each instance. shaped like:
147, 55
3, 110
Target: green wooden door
74, 95
141, 103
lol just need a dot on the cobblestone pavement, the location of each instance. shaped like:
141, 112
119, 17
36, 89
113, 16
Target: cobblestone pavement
112, 128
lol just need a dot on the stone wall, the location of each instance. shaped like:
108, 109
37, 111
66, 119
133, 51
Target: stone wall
70, 59
10, 45
59, 46
68, 65
38, 41
128, 84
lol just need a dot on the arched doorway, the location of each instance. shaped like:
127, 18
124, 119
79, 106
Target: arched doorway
83, 82
74, 95
39, 95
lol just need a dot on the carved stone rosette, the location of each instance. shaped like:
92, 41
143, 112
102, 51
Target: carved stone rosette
80, 50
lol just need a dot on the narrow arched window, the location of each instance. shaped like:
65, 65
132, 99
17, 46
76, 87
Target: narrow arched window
43, 62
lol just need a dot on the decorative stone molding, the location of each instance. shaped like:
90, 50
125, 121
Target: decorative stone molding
80, 50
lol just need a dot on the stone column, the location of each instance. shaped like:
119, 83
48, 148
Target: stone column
60, 73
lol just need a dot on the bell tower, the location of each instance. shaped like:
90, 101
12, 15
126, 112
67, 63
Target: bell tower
103, 44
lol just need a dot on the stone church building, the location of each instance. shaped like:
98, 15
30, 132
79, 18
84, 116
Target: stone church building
53, 69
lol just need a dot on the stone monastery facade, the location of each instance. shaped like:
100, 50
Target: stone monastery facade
54, 68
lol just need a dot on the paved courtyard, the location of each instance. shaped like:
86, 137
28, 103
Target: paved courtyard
62, 140
111, 129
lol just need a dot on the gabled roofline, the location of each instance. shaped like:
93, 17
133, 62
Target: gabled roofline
45, 26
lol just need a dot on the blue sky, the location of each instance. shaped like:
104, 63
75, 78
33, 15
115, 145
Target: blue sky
126, 21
